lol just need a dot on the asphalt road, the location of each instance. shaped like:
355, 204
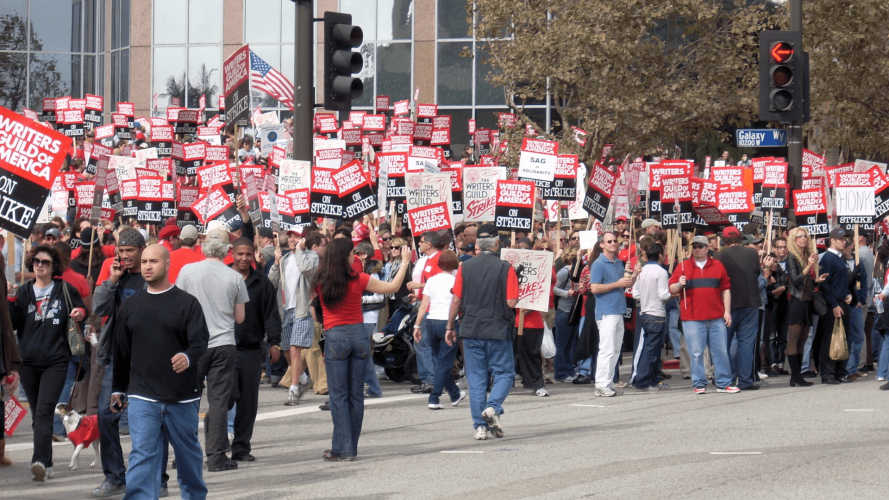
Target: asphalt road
778, 443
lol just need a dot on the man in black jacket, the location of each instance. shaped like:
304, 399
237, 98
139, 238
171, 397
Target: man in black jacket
261, 319
838, 295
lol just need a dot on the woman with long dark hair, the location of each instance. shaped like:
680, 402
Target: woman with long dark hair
40, 317
347, 344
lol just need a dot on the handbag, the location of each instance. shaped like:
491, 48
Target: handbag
576, 310
839, 349
818, 303
548, 345
75, 338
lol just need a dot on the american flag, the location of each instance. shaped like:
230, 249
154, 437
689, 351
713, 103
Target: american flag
269, 80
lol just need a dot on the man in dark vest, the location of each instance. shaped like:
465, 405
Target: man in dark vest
485, 292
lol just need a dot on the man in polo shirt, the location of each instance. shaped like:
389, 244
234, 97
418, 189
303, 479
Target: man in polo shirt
705, 308
609, 278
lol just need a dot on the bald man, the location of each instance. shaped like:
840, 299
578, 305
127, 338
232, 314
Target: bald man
166, 326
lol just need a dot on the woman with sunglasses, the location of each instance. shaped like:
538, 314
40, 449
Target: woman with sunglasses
396, 248
40, 317
802, 273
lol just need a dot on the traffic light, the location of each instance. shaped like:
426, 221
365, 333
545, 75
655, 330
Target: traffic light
781, 77
340, 62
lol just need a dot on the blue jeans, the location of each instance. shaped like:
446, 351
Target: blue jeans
151, 422
346, 349
443, 355
883, 368
653, 330
855, 338
741, 341
584, 367
566, 343
370, 375
711, 333
672, 307
481, 357
57, 427
109, 434
425, 364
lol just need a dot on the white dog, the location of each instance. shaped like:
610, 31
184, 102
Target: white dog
82, 432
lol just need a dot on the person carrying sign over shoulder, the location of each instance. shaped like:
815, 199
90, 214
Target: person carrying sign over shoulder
347, 343
486, 290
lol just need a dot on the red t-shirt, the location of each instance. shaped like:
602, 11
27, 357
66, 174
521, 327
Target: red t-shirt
348, 310
512, 285
76, 280
180, 258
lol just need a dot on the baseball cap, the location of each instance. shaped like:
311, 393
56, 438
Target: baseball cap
836, 232
297, 231
700, 240
487, 231
236, 225
189, 232
749, 238
266, 232
52, 231
218, 236
621, 217
730, 232
168, 232
647, 223
87, 237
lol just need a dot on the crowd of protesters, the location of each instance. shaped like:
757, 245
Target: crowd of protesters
215, 310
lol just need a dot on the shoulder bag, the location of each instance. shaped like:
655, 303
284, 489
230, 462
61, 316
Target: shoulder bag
75, 337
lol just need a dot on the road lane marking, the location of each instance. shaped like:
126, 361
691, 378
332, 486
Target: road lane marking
736, 453
461, 451
592, 406
861, 410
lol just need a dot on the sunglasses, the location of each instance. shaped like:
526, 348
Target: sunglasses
395, 248
387, 239
698, 247
40, 262
563, 239
575, 238
607, 241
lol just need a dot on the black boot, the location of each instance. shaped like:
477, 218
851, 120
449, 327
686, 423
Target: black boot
795, 378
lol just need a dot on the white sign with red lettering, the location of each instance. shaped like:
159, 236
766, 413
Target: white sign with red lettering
538, 161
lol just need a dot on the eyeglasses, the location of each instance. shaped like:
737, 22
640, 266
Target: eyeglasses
626, 235
563, 239
40, 262
395, 248
387, 239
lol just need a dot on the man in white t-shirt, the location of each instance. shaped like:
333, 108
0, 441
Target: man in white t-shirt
222, 294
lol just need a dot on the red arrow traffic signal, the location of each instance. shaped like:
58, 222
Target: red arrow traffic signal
781, 52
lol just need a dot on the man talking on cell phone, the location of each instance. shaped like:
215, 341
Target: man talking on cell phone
166, 327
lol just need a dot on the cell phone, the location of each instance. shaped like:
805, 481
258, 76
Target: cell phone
118, 405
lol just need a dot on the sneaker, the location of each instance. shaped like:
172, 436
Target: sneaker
39, 471
422, 389
231, 437
481, 433
292, 399
164, 492
325, 406
567, 380
881, 379
620, 385
651, 388
605, 393
459, 398
107, 489
541, 392
368, 395
436, 406
729, 389
59, 438
762, 375
700, 390
224, 466
761, 383
493, 420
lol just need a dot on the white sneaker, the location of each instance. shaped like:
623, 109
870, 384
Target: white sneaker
481, 433
541, 392
567, 379
762, 375
292, 398
605, 393
493, 420
459, 399
231, 437
436, 406
39, 471
881, 379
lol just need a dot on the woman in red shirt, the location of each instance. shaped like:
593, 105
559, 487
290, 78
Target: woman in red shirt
347, 344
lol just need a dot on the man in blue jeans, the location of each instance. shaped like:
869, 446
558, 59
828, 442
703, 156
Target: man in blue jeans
652, 290
166, 327
744, 268
431, 246
485, 292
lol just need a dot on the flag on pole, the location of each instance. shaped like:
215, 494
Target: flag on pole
154, 101
269, 80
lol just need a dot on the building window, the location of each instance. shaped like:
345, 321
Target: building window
49, 55
272, 42
187, 53
387, 48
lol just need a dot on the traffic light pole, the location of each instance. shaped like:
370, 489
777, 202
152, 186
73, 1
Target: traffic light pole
795, 129
303, 92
